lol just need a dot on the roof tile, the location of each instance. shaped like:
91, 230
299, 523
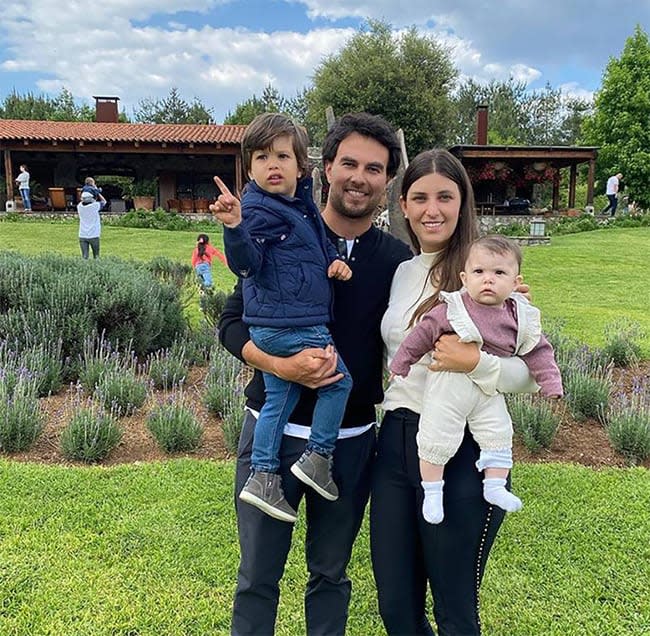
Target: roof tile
11, 129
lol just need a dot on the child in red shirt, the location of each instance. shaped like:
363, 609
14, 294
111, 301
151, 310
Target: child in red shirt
202, 260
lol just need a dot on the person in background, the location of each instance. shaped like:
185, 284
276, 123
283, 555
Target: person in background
23, 187
612, 193
202, 256
90, 186
90, 227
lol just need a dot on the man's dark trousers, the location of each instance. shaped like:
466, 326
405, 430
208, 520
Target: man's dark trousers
332, 527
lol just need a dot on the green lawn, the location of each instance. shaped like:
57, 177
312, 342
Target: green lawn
152, 550
131, 243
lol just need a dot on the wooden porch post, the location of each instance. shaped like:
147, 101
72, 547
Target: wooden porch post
556, 192
572, 186
238, 174
590, 182
9, 175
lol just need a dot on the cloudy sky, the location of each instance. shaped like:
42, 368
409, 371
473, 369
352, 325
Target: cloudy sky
223, 51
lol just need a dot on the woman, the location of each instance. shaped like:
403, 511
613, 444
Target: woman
408, 552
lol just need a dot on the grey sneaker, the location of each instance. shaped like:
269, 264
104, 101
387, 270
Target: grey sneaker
315, 470
264, 491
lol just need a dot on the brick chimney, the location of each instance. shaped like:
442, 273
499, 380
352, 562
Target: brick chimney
106, 109
481, 125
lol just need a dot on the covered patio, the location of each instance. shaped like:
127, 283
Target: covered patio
178, 160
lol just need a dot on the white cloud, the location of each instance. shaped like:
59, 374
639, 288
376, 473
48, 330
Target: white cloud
104, 48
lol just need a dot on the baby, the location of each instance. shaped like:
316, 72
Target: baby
487, 311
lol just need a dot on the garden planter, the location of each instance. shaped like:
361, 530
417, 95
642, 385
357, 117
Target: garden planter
143, 203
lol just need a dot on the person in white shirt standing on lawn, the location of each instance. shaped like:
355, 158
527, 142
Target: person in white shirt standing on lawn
90, 227
23, 187
612, 191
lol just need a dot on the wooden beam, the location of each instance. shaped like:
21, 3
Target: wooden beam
9, 175
572, 187
590, 182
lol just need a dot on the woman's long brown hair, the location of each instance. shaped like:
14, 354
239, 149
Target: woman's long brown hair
445, 270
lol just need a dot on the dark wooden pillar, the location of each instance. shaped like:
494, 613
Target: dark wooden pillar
590, 182
9, 175
556, 192
572, 186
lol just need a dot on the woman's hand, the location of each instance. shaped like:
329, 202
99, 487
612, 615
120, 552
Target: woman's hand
450, 354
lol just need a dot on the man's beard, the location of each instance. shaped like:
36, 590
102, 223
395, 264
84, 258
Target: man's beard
341, 208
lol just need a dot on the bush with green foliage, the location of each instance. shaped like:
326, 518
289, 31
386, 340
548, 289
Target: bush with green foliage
627, 422
162, 220
535, 420
212, 303
90, 435
42, 362
121, 391
587, 391
221, 380
622, 344
98, 358
175, 426
21, 417
50, 298
168, 368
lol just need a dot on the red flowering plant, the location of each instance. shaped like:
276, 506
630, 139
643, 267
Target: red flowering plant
540, 172
489, 171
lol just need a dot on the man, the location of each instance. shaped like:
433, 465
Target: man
612, 191
360, 154
90, 227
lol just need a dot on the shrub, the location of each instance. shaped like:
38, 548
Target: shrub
168, 368
98, 358
120, 391
221, 380
21, 418
212, 304
628, 422
169, 270
49, 298
175, 427
232, 418
587, 393
534, 420
199, 343
622, 342
41, 363
91, 434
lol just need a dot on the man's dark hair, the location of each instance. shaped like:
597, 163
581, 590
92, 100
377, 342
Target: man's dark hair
367, 125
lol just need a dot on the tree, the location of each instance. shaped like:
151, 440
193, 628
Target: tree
406, 78
270, 102
172, 109
506, 102
620, 124
40, 107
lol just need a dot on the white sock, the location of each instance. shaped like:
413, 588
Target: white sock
432, 506
494, 492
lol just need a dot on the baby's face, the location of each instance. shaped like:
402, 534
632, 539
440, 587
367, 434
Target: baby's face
490, 277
